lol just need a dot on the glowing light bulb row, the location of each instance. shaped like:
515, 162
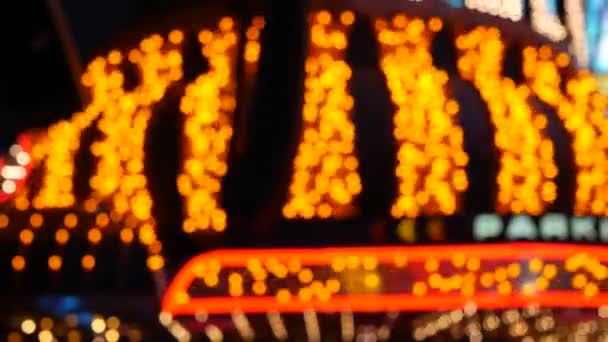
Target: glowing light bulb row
94, 235
110, 328
581, 109
431, 160
61, 236
526, 172
208, 106
325, 178
521, 324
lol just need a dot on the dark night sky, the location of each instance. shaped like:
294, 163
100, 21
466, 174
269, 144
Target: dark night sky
35, 86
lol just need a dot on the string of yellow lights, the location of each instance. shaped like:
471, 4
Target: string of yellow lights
325, 177
252, 46
119, 176
58, 149
526, 172
581, 109
208, 107
431, 159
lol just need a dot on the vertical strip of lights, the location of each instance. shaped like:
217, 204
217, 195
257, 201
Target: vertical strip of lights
208, 106
325, 177
431, 159
62, 141
545, 20
526, 171
253, 47
581, 109
246, 87
119, 177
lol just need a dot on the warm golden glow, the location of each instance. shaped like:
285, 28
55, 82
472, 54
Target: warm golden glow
94, 236
252, 46
208, 106
70, 220
431, 159
325, 178
21, 200
119, 177
58, 149
526, 171
126, 235
18, 263
36, 220
118, 182
4, 221
55, 263
62, 236
120, 170
88, 262
581, 109
155, 262
26, 236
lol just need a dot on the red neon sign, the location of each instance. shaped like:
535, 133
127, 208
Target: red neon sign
428, 278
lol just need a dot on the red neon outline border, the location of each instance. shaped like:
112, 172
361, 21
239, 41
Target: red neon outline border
379, 303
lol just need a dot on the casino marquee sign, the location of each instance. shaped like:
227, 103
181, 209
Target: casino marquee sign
432, 171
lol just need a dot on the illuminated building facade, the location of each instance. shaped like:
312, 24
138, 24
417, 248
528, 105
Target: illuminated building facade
485, 134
